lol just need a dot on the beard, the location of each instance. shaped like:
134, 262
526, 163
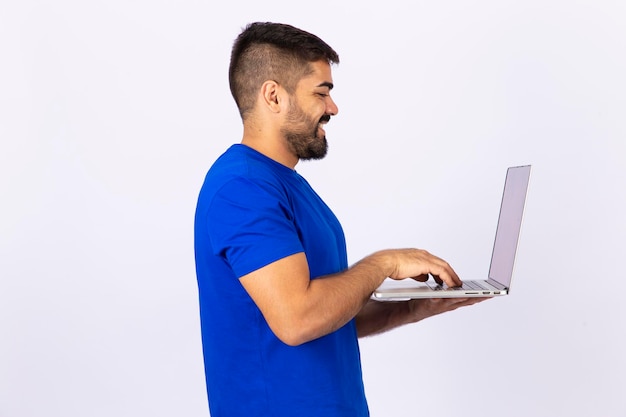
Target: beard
301, 134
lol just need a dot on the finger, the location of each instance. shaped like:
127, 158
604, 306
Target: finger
443, 305
438, 280
476, 300
446, 274
464, 302
443, 272
421, 278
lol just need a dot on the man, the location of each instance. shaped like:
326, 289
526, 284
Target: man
280, 308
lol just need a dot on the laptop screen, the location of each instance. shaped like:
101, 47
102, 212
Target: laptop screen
509, 224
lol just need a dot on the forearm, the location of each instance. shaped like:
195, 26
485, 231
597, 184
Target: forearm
300, 309
331, 301
378, 317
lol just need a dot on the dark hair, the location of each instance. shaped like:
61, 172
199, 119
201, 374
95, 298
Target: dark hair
272, 51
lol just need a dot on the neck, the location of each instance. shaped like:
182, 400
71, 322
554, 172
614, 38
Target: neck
271, 145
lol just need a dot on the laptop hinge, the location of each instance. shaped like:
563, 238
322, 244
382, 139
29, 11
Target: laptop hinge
496, 284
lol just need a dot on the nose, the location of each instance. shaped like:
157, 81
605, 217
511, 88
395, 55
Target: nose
331, 107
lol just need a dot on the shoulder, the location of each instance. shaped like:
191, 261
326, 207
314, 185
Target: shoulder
240, 161
244, 174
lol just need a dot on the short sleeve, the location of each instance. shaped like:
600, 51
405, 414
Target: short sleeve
250, 224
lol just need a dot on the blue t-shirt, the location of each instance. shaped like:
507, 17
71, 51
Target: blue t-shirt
251, 212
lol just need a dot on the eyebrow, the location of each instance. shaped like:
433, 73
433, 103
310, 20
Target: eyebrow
326, 84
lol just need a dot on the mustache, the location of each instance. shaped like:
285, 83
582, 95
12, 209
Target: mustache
325, 118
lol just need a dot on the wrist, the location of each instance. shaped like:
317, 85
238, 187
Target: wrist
383, 263
373, 268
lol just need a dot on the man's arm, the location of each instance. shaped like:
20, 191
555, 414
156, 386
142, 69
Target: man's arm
299, 309
378, 317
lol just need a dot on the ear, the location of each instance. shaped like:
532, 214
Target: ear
273, 96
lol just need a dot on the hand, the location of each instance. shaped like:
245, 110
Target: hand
423, 308
378, 317
418, 264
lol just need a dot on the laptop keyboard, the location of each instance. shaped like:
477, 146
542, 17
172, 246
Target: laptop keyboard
474, 285
467, 285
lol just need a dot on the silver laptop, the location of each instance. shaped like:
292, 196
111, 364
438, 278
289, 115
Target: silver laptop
498, 282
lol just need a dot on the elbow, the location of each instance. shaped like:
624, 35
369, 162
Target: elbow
294, 333
292, 337
292, 340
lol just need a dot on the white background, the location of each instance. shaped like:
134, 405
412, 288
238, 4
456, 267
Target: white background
112, 111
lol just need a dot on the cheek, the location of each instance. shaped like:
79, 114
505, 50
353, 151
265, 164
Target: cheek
319, 112
315, 108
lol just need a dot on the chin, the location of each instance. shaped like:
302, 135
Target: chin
317, 152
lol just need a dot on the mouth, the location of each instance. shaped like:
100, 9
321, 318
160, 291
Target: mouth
323, 120
320, 129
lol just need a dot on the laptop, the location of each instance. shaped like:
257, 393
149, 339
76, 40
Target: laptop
498, 282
